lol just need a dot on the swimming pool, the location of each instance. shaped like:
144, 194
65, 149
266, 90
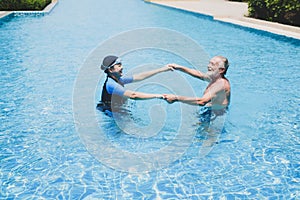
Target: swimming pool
43, 156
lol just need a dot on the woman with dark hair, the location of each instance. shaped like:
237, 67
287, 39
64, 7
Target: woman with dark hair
114, 94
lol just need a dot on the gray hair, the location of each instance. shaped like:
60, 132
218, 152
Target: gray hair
224, 64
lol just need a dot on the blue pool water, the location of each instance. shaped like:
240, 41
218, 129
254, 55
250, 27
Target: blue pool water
43, 156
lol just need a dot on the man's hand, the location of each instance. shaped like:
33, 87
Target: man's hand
170, 98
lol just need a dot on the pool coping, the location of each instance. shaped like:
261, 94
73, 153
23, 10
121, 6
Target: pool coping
230, 12
46, 10
225, 11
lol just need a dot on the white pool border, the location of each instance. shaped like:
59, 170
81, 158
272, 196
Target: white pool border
229, 12
46, 10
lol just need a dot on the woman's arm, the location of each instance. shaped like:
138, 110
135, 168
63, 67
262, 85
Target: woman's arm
148, 74
141, 95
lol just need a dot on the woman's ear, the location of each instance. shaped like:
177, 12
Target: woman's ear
110, 69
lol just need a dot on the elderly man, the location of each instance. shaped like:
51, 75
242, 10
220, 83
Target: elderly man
216, 96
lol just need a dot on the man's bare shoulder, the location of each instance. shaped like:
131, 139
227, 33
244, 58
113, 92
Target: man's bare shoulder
226, 83
222, 83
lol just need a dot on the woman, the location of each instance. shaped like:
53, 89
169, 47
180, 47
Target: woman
114, 94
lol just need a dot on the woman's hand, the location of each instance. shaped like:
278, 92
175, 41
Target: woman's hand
167, 68
174, 66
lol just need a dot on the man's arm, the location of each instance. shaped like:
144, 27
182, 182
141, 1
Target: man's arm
188, 100
148, 74
213, 92
192, 72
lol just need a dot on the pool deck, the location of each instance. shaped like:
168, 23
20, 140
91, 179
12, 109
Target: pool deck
230, 12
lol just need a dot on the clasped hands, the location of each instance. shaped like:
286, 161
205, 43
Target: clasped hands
170, 98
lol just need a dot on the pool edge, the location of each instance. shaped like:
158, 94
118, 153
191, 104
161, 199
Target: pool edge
237, 18
46, 10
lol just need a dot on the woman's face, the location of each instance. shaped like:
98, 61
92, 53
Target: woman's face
116, 70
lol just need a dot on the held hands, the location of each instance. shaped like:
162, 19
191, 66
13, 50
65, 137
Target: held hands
170, 67
174, 66
167, 68
170, 98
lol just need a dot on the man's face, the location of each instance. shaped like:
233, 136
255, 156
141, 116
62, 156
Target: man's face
213, 69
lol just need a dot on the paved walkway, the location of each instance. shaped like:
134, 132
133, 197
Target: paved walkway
231, 12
